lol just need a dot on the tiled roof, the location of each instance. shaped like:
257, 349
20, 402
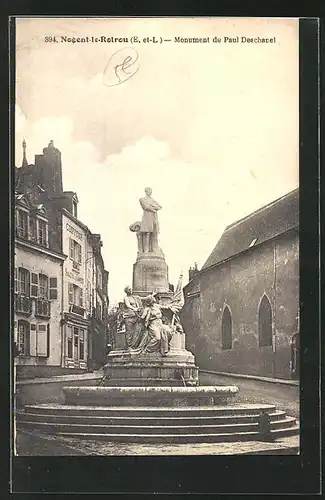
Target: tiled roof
264, 224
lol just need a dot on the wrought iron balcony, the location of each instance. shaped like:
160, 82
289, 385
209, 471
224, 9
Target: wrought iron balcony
75, 266
43, 308
23, 304
22, 232
77, 310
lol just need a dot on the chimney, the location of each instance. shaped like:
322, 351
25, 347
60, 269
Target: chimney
193, 271
24, 162
50, 169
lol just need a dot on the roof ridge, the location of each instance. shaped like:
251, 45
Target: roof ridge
264, 207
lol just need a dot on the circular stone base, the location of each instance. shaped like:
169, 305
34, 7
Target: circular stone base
149, 396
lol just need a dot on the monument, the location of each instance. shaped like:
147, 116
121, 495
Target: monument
154, 350
150, 271
150, 392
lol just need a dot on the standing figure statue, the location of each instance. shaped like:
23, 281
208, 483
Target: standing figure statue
149, 227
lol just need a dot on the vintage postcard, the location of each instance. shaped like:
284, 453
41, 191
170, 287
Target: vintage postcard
156, 238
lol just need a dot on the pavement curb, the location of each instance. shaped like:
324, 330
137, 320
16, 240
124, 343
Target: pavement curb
292, 383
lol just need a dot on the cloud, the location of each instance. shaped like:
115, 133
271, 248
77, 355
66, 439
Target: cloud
193, 123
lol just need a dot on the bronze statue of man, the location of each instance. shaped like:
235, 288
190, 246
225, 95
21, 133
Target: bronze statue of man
149, 227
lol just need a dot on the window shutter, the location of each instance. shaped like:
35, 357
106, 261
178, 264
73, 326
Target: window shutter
70, 293
27, 283
32, 342
81, 297
15, 330
34, 285
71, 248
16, 279
48, 339
42, 343
79, 253
53, 288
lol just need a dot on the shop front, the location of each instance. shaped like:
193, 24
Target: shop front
76, 342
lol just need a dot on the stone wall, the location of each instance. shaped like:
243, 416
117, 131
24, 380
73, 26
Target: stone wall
50, 390
25, 372
271, 268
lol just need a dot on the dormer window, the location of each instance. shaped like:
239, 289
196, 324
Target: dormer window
75, 208
31, 221
22, 223
32, 229
42, 232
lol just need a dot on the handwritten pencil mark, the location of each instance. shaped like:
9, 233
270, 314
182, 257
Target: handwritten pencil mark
121, 66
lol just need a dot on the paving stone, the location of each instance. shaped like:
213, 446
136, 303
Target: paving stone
32, 443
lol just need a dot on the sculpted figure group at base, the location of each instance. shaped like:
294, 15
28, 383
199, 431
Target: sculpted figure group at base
145, 329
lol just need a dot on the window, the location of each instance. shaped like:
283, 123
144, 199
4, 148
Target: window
23, 337
42, 232
75, 294
23, 281
74, 208
43, 286
89, 294
22, 224
33, 340
76, 343
81, 344
32, 229
265, 322
69, 342
226, 329
43, 340
34, 285
75, 251
16, 279
99, 278
53, 288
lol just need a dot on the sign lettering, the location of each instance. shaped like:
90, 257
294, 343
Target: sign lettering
74, 277
73, 231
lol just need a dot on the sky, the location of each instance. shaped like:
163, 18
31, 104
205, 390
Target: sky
212, 128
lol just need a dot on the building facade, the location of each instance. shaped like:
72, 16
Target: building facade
83, 297
37, 292
241, 310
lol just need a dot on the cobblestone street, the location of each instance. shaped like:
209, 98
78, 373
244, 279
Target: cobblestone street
284, 397
32, 443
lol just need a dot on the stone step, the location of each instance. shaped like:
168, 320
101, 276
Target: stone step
142, 382
144, 420
198, 430
136, 412
178, 438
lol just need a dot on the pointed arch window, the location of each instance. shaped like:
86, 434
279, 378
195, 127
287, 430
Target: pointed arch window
265, 322
226, 329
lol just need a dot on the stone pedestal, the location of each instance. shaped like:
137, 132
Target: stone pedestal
150, 274
124, 368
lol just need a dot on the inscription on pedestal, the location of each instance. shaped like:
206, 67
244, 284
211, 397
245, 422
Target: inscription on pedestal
150, 277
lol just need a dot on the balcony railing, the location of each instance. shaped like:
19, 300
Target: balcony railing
23, 304
43, 308
77, 310
22, 232
75, 266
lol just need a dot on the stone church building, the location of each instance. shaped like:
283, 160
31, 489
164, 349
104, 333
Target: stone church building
241, 312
